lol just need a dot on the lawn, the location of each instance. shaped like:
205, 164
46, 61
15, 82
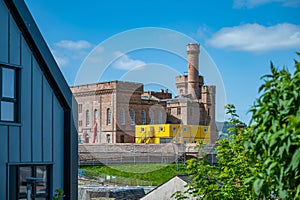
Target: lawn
134, 174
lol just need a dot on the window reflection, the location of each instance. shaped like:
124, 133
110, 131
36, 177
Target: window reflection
8, 83
7, 111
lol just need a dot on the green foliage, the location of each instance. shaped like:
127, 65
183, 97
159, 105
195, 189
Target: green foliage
59, 194
226, 180
274, 135
263, 160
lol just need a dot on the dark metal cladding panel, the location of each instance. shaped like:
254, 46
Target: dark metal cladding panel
3, 159
25, 99
3, 33
14, 144
14, 43
36, 113
58, 145
47, 122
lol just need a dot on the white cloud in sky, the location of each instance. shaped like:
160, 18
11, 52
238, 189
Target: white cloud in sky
73, 45
67, 51
124, 62
61, 60
255, 3
255, 37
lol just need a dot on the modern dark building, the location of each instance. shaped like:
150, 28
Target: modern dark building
38, 145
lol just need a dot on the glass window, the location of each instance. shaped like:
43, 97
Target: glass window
123, 121
108, 138
151, 117
178, 111
108, 115
8, 83
144, 119
80, 108
87, 117
132, 117
160, 117
23, 178
95, 115
8, 94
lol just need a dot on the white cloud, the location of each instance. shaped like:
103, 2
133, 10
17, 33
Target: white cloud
255, 3
73, 45
124, 62
255, 37
67, 52
61, 60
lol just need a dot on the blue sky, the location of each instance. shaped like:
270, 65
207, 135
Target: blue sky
240, 36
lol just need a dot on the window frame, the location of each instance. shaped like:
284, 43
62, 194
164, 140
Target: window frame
123, 117
14, 177
132, 117
108, 116
152, 116
144, 117
16, 99
87, 117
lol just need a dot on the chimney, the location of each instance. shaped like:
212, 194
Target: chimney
193, 51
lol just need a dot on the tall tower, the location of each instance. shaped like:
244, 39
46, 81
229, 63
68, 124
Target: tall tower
193, 51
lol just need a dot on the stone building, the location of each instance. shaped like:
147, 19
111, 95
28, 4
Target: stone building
109, 111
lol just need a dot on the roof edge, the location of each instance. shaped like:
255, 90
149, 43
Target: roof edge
40, 49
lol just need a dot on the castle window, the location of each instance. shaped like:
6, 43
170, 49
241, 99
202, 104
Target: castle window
123, 121
80, 123
95, 115
144, 117
160, 117
108, 138
169, 111
178, 111
181, 91
79, 108
151, 117
132, 117
108, 116
122, 139
87, 116
208, 111
8, 94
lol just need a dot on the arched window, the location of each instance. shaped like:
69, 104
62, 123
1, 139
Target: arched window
160, 117
132, 117
144, 118
123, 120
87, 117
151, 117
108, 116
95, 115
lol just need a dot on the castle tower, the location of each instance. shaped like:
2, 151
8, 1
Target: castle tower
193, 51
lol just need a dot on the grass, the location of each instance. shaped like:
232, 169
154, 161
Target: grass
135, 174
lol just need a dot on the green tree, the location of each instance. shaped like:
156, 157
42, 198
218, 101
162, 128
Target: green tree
274, 136
227, 179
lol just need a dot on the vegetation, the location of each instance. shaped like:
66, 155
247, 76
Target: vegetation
135, 174
274, 135
261, 161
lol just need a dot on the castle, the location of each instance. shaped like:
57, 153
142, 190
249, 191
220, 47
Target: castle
109, 111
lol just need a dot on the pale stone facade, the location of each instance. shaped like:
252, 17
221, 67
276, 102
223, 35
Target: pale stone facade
109, 111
